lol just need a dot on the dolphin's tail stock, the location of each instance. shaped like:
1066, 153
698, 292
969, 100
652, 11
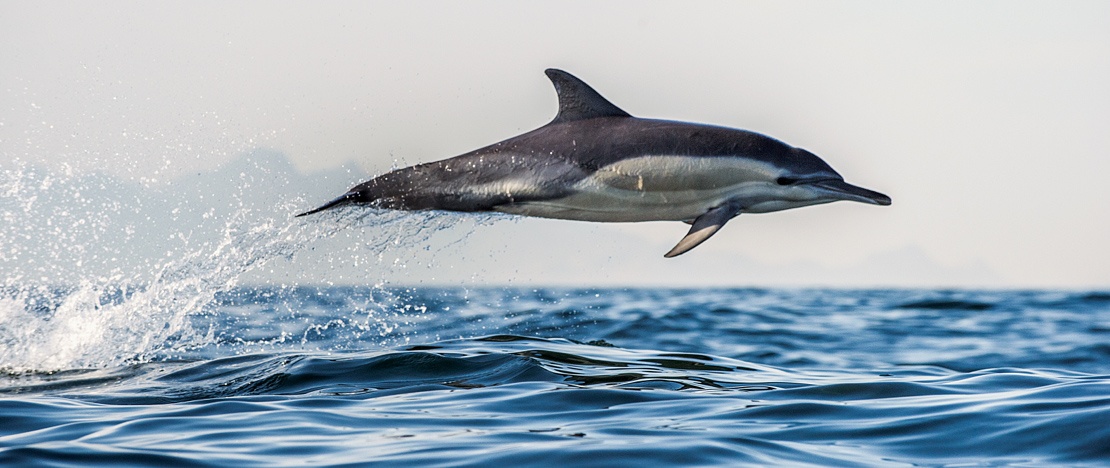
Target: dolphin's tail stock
344, 199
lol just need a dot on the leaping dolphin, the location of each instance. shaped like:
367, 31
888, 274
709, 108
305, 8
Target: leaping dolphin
595, 162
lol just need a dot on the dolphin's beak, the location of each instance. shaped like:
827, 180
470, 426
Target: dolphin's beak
846, 191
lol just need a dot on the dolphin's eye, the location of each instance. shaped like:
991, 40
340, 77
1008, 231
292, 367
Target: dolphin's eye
785, 181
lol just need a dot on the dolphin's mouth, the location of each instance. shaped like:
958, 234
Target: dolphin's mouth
846, 191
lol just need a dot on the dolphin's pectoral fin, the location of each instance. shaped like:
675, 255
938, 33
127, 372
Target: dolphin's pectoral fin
704, 227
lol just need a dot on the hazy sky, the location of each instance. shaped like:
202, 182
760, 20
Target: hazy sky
988, 123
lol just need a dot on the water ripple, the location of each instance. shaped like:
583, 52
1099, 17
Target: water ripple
547, 401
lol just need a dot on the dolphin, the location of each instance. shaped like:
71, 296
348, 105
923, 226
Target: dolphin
596, 162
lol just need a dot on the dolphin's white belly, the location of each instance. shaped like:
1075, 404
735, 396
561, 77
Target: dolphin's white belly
658, 188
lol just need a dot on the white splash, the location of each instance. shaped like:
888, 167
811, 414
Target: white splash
130, 316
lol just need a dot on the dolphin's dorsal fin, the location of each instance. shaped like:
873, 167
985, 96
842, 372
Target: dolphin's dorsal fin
578, 101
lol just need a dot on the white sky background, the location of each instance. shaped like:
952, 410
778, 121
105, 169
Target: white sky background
988, 123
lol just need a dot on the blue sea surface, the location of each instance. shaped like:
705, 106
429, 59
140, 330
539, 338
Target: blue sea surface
345, 376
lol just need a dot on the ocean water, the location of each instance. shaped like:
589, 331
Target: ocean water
175, 360
588, 377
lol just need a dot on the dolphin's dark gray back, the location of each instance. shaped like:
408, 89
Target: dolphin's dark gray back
587, 134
